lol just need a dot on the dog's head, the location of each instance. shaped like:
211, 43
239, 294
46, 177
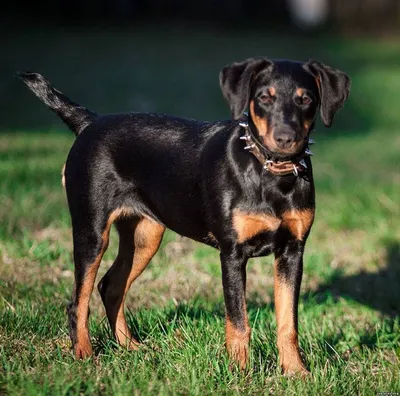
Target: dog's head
283, 98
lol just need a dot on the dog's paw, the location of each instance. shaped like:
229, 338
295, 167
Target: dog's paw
239, 353
126, 340
295, 370
83, 351
131, 344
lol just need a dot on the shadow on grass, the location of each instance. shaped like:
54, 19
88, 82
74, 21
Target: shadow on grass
379, 290
157, 323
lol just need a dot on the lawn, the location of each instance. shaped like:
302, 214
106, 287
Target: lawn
350, 299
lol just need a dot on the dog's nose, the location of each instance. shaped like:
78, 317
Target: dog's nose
284, 138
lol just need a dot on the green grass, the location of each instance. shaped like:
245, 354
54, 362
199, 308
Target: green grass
350, 300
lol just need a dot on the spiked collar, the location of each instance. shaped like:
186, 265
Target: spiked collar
277, 168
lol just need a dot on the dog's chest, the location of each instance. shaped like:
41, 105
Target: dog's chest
258, 232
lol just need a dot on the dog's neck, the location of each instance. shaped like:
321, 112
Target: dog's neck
295, 166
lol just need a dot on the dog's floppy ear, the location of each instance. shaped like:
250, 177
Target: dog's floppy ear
235, 82
334, 88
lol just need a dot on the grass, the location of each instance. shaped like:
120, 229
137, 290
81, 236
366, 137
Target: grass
350, 300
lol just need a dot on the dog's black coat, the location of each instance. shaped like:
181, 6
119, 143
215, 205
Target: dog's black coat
195, 177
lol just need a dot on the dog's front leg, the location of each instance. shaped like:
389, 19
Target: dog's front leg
237, 328
288, 274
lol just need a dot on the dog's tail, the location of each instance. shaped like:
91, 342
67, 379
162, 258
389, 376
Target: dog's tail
74, 115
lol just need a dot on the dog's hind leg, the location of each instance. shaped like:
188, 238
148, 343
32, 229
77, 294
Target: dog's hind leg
90, 242
139, 241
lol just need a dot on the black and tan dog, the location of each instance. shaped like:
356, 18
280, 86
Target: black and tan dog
243, 186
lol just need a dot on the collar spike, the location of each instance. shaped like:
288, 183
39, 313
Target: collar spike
310, 141
303, 163
309, 153
243, 124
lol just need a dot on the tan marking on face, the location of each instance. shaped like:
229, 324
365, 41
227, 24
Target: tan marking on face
63, 176
272, 91
265, 133
307, 123
298, 222
306, 128
260, 123
248, 225
287, 337
237, 341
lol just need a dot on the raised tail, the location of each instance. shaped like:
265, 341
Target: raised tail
74, 115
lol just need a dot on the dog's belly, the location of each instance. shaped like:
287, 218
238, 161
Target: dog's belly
180, 211
190, 226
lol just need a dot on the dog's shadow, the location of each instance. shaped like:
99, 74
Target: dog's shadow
378, 290
145, 324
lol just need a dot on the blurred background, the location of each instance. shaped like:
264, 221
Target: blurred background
154, 55
350, 14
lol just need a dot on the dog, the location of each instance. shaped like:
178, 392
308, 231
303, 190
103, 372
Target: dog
243, 186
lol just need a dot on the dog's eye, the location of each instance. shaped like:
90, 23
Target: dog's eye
267, 99
302, 101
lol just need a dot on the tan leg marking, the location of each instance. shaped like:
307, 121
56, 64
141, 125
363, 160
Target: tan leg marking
288, 346
212, 238
83, 346
133, 257
298, 222
248, 225
237, 341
